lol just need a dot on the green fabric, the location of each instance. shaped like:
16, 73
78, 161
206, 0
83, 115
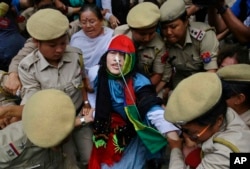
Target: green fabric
99, 143
76, 3
151, 138
117, 147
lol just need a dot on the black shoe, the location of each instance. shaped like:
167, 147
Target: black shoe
155, 163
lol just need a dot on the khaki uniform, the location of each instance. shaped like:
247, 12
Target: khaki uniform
37, 74
216, 155
198, 53
29, 46
151, 57
246, 117
17, 152
25, 16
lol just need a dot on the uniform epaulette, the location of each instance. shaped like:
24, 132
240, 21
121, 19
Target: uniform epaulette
198, 30
71, 49
29, 61
197, 34
12, 149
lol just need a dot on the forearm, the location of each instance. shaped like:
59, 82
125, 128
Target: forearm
215, 20
156, 78
11, 111
238, 29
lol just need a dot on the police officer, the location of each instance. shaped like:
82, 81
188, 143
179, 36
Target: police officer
142, 25
54, 64
192, 45
28, 143
237, 81
198, 107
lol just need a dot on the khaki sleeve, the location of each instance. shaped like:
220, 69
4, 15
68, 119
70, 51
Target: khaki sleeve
210, 45
29, 83
159, 61
176, 159
29, 46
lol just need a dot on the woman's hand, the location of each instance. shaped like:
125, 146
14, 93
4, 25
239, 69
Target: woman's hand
13, 84
114, 22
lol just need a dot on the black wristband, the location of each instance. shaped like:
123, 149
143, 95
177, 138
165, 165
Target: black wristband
222, 9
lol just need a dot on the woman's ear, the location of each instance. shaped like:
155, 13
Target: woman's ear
219, 121
240, 98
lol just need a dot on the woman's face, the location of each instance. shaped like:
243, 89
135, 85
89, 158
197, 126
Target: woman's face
175, 32
53, 50
229, 61
113, 57
198, 133
91, 25
143, 36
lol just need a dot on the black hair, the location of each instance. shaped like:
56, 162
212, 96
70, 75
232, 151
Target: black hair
232, 88
93, 8
233, 50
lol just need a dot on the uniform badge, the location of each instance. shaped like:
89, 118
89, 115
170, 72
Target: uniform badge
206, 57
197, 33
20, 19
164, 57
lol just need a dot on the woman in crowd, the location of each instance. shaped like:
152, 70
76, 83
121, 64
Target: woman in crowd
237, 88
205, 119
93, 38
127, 111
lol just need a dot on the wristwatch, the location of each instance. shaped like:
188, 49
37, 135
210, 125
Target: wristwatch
222, 9
82, 119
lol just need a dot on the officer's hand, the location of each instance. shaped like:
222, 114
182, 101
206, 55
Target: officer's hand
175, 142
3, 111
4, 122
89, 117
13, 84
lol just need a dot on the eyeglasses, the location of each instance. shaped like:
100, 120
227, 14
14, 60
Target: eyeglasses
192, 136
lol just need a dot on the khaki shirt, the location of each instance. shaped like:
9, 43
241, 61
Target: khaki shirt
246, 117
217, 155
37, 74
152, 56
198, 54
17, 152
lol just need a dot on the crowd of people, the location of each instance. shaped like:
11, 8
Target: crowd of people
113, 84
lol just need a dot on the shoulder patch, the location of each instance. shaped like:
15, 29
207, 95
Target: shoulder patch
198, 34
13, 149
28, 61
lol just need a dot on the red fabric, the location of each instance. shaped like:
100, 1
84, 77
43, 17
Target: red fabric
193, 159
122, 43
129, 93
107, 154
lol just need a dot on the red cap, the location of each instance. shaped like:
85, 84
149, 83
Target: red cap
122, 43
